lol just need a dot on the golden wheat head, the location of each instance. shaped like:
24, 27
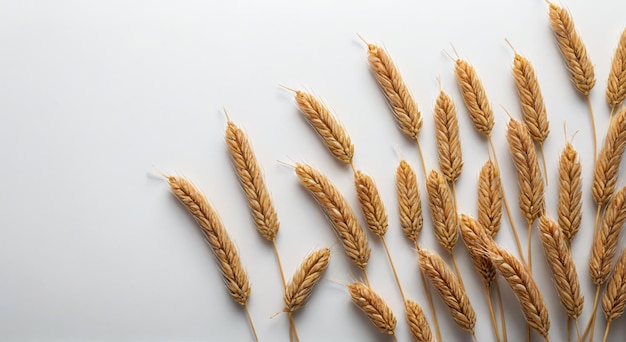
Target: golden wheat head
420, 330
616, 84
609, 159
304, 279
474, 96
533, 109
374, 307
443, 210
605, 242
371, 204
490, 198
448, 139
614, 298
570, 192
409, 203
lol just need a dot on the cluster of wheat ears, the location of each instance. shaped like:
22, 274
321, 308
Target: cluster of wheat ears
477, 233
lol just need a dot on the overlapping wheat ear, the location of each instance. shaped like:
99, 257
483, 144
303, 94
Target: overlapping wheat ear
529, 180
338, 212
305, 278
575, 56
420, 330
614, 298
374, 307
570, 192
521, 282
326, 125
448, 139
533, 108
449, 288
235, 276
616, 84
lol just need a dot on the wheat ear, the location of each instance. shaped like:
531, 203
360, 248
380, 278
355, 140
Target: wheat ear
304, 279
326, 125
614, 298
474, 96
420, 330
609, 159
448, 139
371, 204
374, 307
449, 288
616, 84
338, 212
570, 192
490, 198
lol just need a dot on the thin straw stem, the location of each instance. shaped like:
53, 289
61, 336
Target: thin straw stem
367, 280
419, 149
292, 322
256, 338
491, 312
593, 126
545, 166
593, 312
606, 331
530, 255
505, 338
393, 268
611, 113
568, 326
458, 271
595, 225
577, 330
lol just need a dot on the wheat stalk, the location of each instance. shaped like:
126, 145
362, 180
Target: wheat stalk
304, 279
443, 211
490, 198
570, 192
614, 298
374, 307
409, 203
616, 84
448, 140
474, 96
338, 212
420, 330
609, 159
449, 288
371, 204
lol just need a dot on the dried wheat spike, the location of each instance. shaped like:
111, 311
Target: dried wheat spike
326, 125
235, 277
529, 179
614, 298
409, 203
474, 96
371, 204
490, 198
570, 192
533, 108
521, 282
443, 211
616, 85
572, 49
420, 330
397, 93
471, 231
252, 182
338, 212
374, 307
449, 288
560, 261
605, 242
609, 159
304, 279
448, 139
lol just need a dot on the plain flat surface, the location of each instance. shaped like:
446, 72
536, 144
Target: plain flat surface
95, 95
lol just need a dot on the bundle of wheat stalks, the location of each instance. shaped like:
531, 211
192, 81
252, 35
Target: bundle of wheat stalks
478, 232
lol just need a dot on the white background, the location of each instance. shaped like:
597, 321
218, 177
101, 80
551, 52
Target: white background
96, 95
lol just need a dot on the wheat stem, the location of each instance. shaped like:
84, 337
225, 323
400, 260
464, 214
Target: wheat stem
606, 331
501, 307
593, 328
256, 338
579, 338
593, 312
393, 268
611, 113
292, 323
419, 149
491, 312
545, 167
530, 258
568, 327
593, 127
367, 280
595, 225
457, 270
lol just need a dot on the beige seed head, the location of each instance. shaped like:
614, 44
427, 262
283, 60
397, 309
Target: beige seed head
235, 277
374, 307
371, 204
533, 108
614, 298
442, 210
616, 84
409, 203
448, 139
474, 96
529, 179
490, 198
397, 93
338, 212
449, 288
573, 50
420, 330
605, 242
471, 231
609, 159
570, 192
560, 261
251, 180
304, 279
327, 127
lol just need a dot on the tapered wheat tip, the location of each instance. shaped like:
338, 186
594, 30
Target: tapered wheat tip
573, 50
448, 139
616, 84
409, 203
490, 198
397, 93
570, 192
443, 210
609, 159
304, 279
374, 307
471, 232
251, 180
371, 204
524, 287
560, 261
529, 179
235, 277
474, 96
605, 242
614, 298
449, 288
338, 212
326, 125
420, 330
